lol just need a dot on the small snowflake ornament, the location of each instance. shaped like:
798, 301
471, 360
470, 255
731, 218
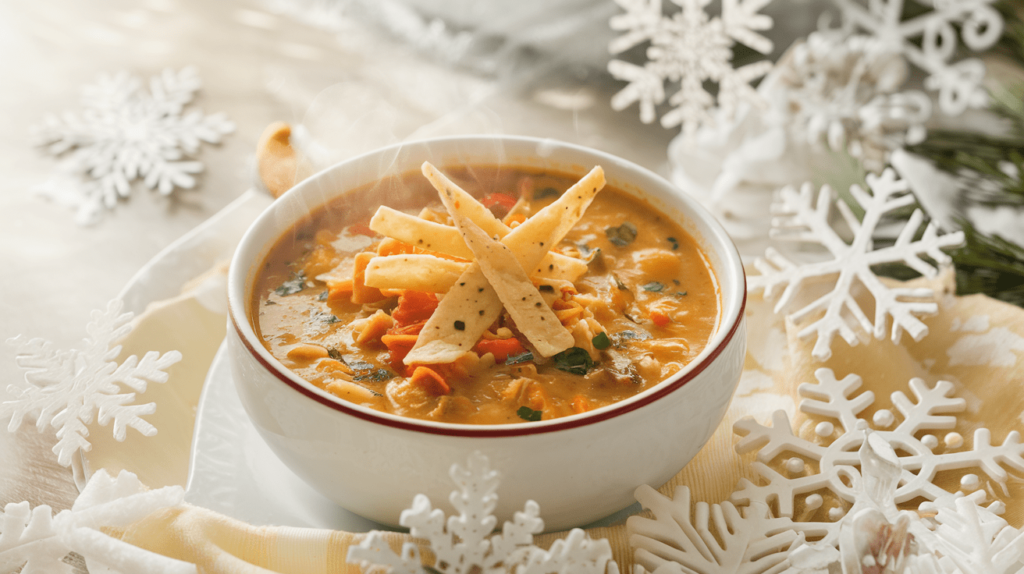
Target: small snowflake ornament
124, 134
36, 541
844, 90
467, 544
804, 217
928, 40
67, 389
688, 48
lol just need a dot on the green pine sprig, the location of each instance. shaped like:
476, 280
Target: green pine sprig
991, 265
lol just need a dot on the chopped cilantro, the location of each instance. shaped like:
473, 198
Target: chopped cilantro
654, 286
520, 358
294, 285
377, 375
601, 341
546, 288
584, 249
335, 354
323, 316
528, 414
681, 293
323, 296
622, 235
674, 242
269, 302
575, 360
546, 192
359, 365
676, 281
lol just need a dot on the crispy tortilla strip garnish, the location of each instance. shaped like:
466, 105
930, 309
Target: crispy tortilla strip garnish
466, 205
538, 234
466, 311
554, 265
419, 232
447, 240
518, 295
416, 272
535, 237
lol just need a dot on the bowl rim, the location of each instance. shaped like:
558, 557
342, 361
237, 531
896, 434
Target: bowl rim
730, 320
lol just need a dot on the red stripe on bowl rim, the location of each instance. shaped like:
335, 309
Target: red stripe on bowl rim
497, 431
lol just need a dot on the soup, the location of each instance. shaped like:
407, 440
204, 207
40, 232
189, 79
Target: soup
629, 297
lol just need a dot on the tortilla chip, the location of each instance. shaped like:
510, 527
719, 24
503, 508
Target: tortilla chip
447, 240
414, 271
472, 303
466, 311
518, 295
419, 232
464, 203
546, 228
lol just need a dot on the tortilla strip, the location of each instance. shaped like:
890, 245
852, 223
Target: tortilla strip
439, 342
463, 314
417, 272
518, 295
446, 239
419, 232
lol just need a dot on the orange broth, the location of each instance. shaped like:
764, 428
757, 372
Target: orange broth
647, 306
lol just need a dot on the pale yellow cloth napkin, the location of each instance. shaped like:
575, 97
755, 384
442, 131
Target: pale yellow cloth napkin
974, 342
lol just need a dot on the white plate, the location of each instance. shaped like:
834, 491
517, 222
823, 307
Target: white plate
232, 471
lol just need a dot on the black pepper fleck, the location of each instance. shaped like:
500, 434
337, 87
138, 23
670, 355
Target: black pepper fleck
460, 326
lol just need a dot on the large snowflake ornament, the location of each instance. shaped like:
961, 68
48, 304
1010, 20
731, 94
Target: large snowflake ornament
816, 466
688, 48
67, 389
804, 217
709, 539
928, 40
466, 543
36, 541
124, 134
866, 470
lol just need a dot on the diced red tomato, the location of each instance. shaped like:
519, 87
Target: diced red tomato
414, 307
500, 348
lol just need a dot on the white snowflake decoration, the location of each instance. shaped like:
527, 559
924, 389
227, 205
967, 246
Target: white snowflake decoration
66, 389
728, 542
689, 48
125, 133
843, 90
867, 479
929, 41
37, 540
804, 218
464, 543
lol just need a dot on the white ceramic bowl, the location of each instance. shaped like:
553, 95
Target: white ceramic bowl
579, 468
